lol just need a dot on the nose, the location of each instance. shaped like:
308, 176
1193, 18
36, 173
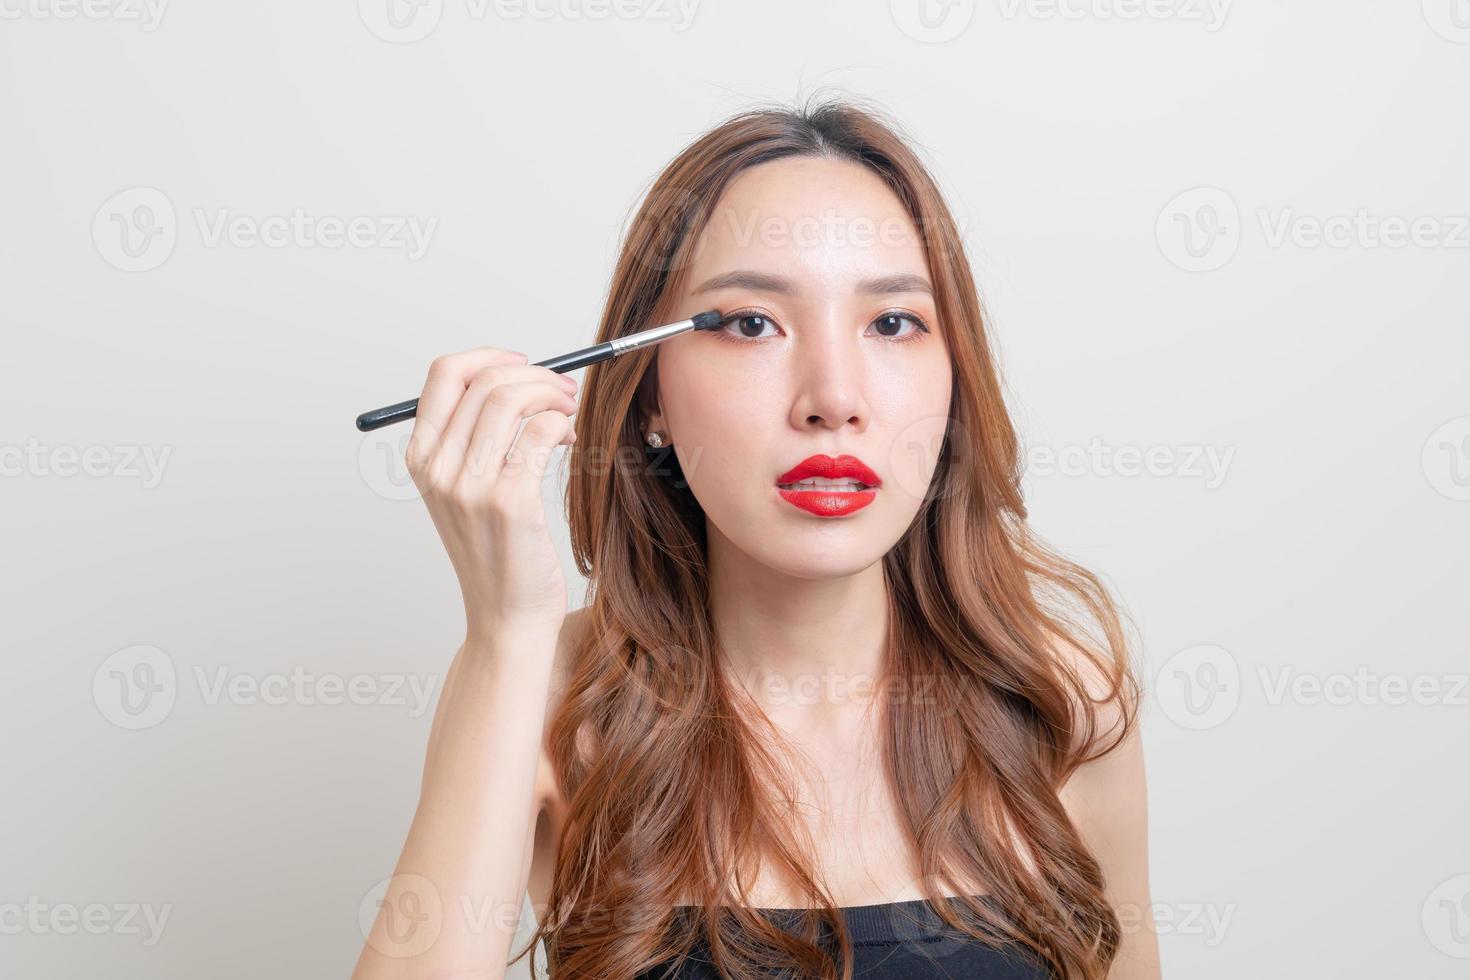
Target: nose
829, 376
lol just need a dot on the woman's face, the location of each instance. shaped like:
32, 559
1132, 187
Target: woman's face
836, 352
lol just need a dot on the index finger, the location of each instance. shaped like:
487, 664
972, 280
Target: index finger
449, 376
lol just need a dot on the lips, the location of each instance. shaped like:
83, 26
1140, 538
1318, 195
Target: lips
829, 501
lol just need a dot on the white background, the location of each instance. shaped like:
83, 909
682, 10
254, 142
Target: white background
1296, 831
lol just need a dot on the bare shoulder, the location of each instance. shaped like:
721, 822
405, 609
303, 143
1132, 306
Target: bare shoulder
1106, 799
1102, 690
1106, 792
1106, 795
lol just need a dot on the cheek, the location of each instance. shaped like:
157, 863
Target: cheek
698, 400
912, 413
721, 428
919, 391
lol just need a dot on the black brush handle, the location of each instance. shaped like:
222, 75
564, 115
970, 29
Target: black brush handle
561, 364
387, 415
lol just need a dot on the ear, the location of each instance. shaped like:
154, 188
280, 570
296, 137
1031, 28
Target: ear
656, 424
650, 403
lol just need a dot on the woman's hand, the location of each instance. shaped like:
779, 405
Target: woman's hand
487, 507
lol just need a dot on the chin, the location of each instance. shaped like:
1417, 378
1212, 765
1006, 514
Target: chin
822, 557
795, 543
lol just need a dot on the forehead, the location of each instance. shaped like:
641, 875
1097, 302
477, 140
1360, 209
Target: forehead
809, 217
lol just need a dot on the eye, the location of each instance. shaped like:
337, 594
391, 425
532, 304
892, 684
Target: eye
894, 322
750, 326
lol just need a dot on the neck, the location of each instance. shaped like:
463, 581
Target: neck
798, 645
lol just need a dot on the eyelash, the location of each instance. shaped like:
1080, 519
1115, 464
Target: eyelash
730, 318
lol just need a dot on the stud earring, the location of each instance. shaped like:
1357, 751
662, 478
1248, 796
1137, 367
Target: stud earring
655, 440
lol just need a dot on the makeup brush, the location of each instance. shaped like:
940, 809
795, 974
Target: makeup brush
562, 363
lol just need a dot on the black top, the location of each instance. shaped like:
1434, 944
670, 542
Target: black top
891, 941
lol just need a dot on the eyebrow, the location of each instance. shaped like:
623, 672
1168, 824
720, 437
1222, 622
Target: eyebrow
770, 283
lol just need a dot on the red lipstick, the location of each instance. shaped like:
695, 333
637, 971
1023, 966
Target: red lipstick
825, 501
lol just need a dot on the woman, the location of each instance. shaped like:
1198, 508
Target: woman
873, 729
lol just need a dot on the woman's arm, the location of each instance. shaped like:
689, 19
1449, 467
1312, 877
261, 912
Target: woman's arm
454, 902
452, 905
1107, 800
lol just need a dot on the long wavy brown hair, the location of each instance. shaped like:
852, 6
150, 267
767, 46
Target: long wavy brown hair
671, 789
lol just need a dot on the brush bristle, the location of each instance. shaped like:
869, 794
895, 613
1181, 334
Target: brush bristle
707, 320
